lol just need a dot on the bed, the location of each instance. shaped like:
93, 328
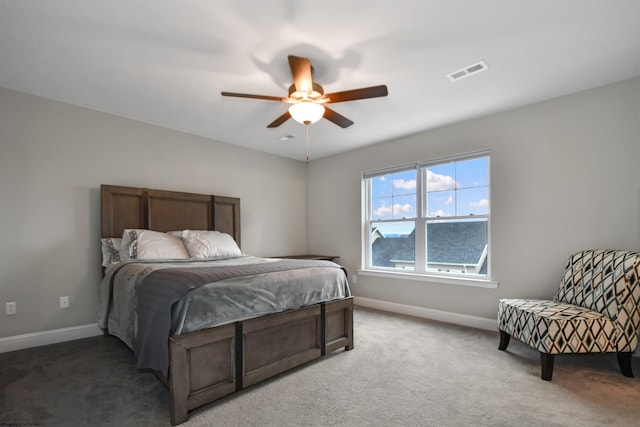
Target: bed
211, 362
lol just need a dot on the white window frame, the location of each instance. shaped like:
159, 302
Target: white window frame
420, 220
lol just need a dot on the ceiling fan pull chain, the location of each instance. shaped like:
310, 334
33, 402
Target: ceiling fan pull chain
307, 126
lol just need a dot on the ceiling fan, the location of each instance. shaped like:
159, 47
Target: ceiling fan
308, 98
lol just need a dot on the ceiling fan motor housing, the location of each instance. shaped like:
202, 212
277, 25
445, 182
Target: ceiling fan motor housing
317, 92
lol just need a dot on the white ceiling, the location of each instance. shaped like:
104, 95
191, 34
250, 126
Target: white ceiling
166, 62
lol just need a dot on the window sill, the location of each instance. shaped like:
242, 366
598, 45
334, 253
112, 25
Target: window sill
447, 280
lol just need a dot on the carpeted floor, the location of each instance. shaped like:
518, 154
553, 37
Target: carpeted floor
403, 372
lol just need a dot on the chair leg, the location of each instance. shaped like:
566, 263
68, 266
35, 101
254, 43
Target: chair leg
624, 360
504, 340
546, 362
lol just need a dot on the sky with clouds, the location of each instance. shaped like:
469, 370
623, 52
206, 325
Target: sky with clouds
452, 189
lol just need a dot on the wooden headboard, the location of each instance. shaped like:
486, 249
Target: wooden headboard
159, 210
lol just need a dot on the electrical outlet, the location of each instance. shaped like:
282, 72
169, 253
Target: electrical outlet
64, 302
10, 308
354, 278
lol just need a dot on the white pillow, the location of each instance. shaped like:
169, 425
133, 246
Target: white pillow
147, 244
209, 244
111, 251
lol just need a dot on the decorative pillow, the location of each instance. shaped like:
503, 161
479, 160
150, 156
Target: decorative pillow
148, 244
209, 244
111, 251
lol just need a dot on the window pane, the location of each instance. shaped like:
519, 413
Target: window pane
404, 207
458, 188
441, 203
473, 201
381, 186
381, 208
441, 177
393, 245
393, 196
472, 173
404, 182
394, 207
457, 246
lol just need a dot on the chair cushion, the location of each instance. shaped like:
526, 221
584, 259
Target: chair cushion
557, 327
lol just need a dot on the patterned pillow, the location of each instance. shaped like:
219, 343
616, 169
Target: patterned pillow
111, 251
148, 244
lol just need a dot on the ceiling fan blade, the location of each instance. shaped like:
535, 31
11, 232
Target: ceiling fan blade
280, 120
354, 94
301, 72
336, 118
248, 95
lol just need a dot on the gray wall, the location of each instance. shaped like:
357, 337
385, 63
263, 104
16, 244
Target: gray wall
53, 158
564, 174
564, 177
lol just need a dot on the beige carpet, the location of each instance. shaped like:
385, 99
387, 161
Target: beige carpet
403, 372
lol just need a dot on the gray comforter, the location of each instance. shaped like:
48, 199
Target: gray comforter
143, 303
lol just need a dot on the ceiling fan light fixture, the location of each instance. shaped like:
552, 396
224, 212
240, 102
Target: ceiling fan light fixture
306, 112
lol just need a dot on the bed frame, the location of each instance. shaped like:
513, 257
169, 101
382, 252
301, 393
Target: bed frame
209, 364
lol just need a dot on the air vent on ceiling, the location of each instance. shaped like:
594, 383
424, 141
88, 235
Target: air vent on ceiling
467, 71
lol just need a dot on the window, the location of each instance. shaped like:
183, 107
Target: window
429, 218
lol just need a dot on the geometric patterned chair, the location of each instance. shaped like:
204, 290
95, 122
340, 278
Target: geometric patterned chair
596, 310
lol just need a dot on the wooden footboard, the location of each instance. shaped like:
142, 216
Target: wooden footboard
274, 344
202, 369
209, 364
338, 325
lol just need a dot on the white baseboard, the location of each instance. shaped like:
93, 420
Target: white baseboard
428, 313
36, 339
